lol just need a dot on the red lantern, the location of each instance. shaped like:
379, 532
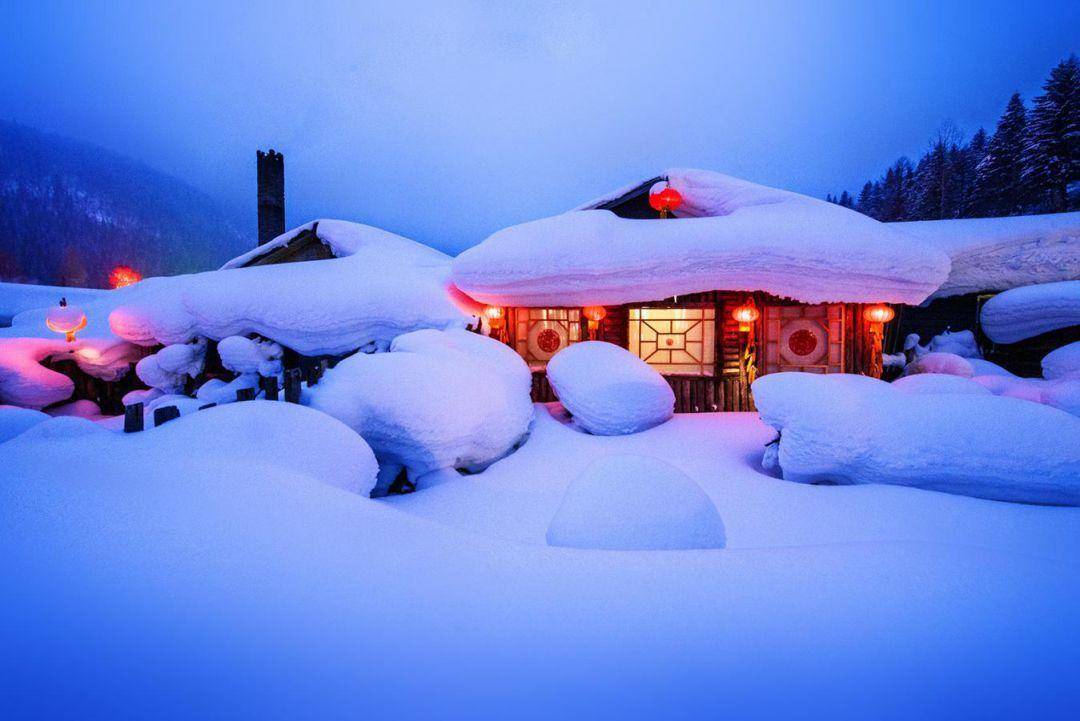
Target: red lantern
123, 275
879, 313
594, 314
666, 200
66, 319
746, 315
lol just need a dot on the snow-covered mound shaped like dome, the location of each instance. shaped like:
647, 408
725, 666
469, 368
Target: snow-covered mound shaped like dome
1032, 310
730, 234
609, 390
635, 503
380, 286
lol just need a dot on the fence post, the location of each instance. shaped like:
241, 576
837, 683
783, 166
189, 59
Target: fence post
133, 418
208, 405
245, 394
270, 387
165, 414
292, 385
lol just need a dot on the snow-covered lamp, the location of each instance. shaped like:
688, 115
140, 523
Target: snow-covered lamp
594, 314
123, 275
879, 313
664, 200
746, 315
66, 319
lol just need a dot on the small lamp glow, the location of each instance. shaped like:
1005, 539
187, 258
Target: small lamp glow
594, 314
66, 319
879, 313
746, 315
496, 316
123, 275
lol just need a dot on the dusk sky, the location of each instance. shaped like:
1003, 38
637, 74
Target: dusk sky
446, 121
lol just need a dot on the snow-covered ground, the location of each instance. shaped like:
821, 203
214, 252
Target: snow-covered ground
240, 578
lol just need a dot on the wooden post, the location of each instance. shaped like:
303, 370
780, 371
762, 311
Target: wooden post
292, 385
269, 386
165, 414
208, 405
245, 394
133, 418
315, 372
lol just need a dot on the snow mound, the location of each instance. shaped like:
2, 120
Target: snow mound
1063, 362
986, 368
437, 400
944, 363
976, 445
1023, 313
609, 390
1064, 395
15, 420
386, 286
730, 235
245, 355
629, 502
961, 343
936, 384
169, 368
991, 254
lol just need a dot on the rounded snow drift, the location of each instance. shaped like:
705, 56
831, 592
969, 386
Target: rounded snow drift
635, 503
609, 390
944, 363
938, 384
1063, 362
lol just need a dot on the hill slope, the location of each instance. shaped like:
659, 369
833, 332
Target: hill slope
70, 211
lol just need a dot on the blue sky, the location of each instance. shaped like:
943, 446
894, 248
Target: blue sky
445, 121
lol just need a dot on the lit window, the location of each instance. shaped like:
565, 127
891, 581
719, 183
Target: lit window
540, 333
675, 341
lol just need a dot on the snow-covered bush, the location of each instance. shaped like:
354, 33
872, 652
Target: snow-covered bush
1032, 310
946, 363
628, 502
609, 390
961, 343
438, 399
937, 383
15, 420
169, 369
244, 355
1063, 362
831, 430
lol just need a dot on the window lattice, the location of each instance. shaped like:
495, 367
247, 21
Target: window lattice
540, 333
675, 341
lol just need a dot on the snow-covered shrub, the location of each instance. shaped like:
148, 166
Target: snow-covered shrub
244, 355
628, 502
946, 363
1063, 362
15, 420
937, 383
1032, 310
438, 399
609, 390
169, 368
985, 446
961, 343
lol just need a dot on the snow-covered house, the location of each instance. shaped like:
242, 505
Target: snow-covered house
991, 255
712, 284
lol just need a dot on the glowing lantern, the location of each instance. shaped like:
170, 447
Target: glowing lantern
66, 319
496, 317
746, 315
666, 200
123, 275
594, 314
879, 313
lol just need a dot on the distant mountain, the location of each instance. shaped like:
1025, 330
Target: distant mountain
71, 211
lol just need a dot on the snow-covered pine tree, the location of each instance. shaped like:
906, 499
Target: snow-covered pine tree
897, 189
846, 200
971, 155
999, 188
869, 202
1052, 150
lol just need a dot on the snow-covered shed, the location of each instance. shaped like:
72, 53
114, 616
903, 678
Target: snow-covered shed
710, 279
991, 255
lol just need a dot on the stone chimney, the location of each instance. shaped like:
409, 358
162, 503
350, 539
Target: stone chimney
271, 180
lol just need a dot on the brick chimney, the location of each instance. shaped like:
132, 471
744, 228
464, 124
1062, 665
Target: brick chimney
271, 180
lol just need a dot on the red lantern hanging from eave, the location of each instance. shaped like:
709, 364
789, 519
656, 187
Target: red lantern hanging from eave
594, 314
746, 315
879, 313
123, 275
665, 201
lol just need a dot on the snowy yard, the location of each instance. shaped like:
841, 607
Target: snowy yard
145, 582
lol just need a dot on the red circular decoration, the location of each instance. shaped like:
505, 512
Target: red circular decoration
802, 342
548, 340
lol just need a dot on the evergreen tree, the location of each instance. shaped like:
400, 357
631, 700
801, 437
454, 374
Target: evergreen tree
971, 156
846, 200
896, 192
999, 188
1052, 151
869, 202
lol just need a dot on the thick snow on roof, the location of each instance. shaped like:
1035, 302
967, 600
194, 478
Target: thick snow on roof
18, 297
1022, 313
730, 235
341, 236
1001, 253
383, 286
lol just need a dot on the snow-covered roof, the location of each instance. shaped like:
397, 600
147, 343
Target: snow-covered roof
1022, 313
990, 254
380, 286
730, 234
